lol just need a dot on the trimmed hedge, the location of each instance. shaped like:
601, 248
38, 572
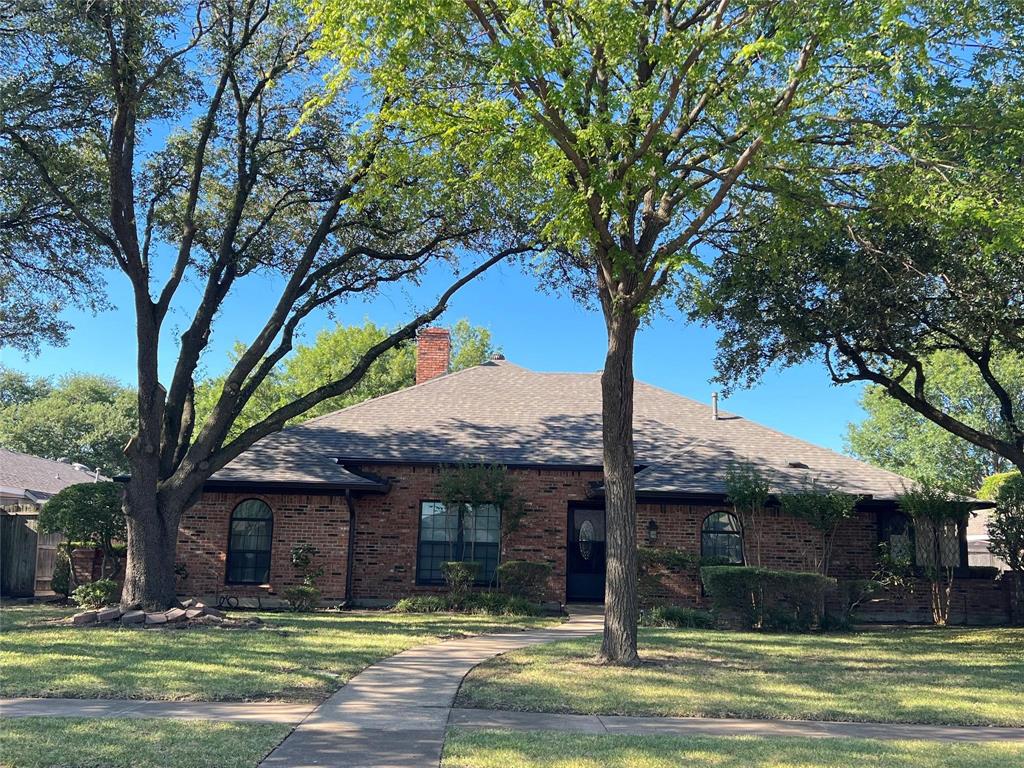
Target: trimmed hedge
460, 576
759, 598
525, 579
490, 603
676, 616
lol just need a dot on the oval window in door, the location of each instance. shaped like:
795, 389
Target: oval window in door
586, 539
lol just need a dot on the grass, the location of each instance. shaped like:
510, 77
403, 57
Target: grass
499, 749
953, 676
297, 657
44, 742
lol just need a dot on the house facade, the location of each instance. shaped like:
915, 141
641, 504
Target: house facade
362, 486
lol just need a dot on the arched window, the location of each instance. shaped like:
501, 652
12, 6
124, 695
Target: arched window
721, 538
252, 529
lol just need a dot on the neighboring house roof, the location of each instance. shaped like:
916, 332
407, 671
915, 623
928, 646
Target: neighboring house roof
502, 413
38, 479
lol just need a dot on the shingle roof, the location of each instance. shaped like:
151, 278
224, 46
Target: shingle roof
499, 412
42, 477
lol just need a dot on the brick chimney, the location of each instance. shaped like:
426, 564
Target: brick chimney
433, 351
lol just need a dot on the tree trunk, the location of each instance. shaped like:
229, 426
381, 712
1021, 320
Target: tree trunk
620, 601
149, 579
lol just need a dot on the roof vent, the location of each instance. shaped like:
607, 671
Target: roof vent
714, 406
497, 356
797, 465
80, 467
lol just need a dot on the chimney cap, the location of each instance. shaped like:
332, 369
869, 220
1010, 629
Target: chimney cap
497, 356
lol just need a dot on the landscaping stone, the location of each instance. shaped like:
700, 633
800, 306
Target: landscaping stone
213, 612
192, 613
175, 614
133, 617
156, 618
85, 617
111, 613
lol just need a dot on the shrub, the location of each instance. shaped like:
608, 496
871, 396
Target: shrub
60, 582
490, 603
304, 597
758, 598
87, 512
97, 594
521, 578
459, 576
676, 616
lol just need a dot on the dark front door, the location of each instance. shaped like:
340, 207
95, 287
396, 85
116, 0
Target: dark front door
585, 556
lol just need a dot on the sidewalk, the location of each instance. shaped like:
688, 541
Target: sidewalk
485, 719
395, 713
237, 711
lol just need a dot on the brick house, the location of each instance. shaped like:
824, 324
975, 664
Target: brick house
360, 484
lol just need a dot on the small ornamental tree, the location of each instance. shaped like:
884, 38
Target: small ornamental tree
88, 512
467, 487
1006, 533
936, 514
824, 508
748, 490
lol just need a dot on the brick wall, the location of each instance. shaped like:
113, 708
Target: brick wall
387, 526
321, 520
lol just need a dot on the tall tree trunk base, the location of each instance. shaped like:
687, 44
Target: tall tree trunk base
149, 579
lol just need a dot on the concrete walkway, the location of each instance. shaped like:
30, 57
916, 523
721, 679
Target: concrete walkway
395, 713
239, 711
485, 719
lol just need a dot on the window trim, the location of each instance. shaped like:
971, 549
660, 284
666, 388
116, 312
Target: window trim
738, 533
423, 582
229, 552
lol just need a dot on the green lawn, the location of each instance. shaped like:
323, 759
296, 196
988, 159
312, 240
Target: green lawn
497, 749
297, 657
955, 676
45, 742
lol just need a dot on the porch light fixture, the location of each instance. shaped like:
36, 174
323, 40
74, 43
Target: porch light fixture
652, 531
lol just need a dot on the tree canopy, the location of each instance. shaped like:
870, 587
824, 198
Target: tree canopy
903, 265
622, 129
81, 418
901, 440
171, 143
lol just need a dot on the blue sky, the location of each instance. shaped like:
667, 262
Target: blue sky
543, 331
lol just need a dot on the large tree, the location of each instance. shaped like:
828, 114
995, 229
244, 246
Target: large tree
332, 354
900, 439
905, 262
626, 125
170, 138
81, 418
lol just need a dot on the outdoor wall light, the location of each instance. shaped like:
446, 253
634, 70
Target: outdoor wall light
652, 531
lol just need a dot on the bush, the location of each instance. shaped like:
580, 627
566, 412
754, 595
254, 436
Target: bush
676, 616
97, 594
489, 603
521, 578
60, 582
758, 598
459, 576
304, 597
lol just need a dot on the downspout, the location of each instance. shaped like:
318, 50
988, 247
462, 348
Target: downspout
351, 546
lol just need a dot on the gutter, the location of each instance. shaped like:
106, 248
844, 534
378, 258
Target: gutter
351, 547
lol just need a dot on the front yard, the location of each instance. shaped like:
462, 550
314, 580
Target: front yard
295, 657
909, 675
44, 742
496, 749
